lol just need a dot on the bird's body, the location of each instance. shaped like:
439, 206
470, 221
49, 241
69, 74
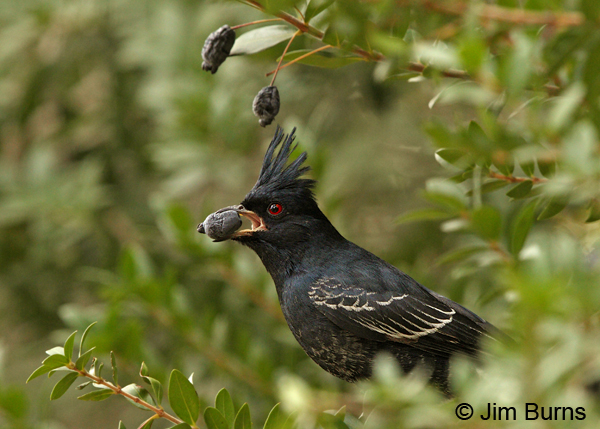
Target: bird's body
343, 304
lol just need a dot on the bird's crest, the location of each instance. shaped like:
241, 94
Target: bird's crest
275, 175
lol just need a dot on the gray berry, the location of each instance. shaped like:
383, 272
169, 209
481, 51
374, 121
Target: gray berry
220, 225
217, 47
266, 105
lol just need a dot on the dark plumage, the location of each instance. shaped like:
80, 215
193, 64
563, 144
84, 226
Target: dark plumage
342, 303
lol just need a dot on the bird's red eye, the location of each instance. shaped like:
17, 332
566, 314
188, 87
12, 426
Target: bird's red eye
275, 209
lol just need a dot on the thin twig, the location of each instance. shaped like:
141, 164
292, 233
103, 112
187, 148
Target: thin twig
119, 391
260, 21
457, 74
322, 48
492, 12
514, 179
283, 55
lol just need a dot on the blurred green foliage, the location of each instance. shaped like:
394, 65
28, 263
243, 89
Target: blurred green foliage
114, 144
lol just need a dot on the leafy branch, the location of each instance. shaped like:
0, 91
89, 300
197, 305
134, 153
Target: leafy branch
182, 396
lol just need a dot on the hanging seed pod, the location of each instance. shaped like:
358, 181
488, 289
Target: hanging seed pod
266, 105
217, 47
221, 225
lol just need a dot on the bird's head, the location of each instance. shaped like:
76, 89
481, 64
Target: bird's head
281, 206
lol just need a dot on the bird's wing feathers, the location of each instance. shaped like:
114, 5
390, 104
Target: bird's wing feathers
423, 321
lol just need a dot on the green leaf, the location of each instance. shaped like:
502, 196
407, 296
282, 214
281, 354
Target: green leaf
446, 194
290, 422
528, 168
55, 361
547, 167
451, 156
479, 138
84, 359
214, 419
594, 208
63, 385
321, 59
68, 348
424, 214
183, 398
521, 226
491, 186
181, 426
84, 385
461, 253
84, 336
504, 162
555, 206
97, 395
121, 425
139, 392
242, 419
40, 371
224, 404
275, 418
487, 222
56, 351
315, 7
260, 39
115, 371
329, 421
156, 385
522, 190
148, 423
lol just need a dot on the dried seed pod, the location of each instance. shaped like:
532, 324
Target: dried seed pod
217, 47
221, 225
266, 105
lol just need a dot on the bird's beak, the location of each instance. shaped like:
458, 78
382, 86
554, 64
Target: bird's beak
257, 223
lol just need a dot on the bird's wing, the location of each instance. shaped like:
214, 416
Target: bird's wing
421, 320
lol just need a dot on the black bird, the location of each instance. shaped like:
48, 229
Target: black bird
342, 303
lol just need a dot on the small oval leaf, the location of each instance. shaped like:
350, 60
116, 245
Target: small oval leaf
63, 385
55, 361
40, 371
138, 392
260, 39
275, 418
224, 404
97, 395
84, 336
522, 190
82, 360
242, 419
521, 226
68, 348
183, 398
487, 222
554, 207
594, 208
451, 156
214, 419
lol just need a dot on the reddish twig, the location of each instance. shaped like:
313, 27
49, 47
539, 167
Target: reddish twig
260, 21
119, 391
283, 55
322, 48
514, 179
492, 12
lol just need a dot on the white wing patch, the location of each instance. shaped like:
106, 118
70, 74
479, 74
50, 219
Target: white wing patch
399, 316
